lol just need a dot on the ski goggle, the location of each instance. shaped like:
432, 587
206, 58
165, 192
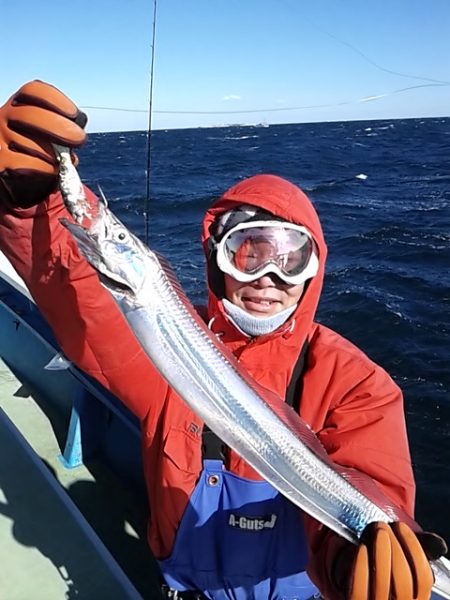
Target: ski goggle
250, 250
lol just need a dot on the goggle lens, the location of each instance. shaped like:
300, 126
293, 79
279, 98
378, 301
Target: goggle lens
247, 252
250, 250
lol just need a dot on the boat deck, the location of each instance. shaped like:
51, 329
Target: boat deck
56, 538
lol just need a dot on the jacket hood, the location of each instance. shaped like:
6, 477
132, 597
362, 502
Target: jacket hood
287, 201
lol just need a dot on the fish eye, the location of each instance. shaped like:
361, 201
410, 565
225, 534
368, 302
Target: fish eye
120, 235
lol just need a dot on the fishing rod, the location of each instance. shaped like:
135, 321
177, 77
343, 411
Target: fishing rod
149, 131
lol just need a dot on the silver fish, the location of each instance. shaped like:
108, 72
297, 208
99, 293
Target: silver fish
71, 186
253, 421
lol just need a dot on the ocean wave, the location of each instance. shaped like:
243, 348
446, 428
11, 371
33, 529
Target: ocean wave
386, 286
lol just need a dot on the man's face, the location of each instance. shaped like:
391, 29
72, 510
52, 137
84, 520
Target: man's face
263, 297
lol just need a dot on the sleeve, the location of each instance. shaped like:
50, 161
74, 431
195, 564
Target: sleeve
82, 314
366, 430
362, 427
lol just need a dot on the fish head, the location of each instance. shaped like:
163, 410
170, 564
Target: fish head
113, 251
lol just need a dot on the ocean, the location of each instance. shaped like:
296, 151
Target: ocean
382, 191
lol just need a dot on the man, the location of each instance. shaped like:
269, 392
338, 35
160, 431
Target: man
215, 526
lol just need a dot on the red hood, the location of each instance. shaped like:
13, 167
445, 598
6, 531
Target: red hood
285, 200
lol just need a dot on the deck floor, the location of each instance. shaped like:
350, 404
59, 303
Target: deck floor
31, 567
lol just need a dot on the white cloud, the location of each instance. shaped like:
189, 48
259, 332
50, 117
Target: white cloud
231, 97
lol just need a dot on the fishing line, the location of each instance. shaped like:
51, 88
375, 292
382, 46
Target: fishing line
149, 132
272, 109
362, 54
431, 82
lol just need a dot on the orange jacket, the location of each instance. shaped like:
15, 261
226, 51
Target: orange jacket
350, 402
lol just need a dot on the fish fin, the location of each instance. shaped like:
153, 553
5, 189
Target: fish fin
369, 488
360, 481
102, 197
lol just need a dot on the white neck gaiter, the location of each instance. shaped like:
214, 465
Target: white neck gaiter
254, 326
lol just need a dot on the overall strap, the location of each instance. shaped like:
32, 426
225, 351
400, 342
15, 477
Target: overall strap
214, 448
295, 387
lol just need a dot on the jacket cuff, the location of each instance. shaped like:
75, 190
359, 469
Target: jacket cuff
329, 560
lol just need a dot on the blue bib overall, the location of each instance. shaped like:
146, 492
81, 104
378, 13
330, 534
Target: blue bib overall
239, 539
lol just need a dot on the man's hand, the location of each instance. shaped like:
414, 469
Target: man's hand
31, 120
391, 563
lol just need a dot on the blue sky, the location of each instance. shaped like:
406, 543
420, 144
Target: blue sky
284, 60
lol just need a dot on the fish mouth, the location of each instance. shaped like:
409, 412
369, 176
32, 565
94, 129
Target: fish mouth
114, 284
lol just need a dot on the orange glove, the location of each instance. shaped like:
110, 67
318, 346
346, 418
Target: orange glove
391, 563
34, 117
